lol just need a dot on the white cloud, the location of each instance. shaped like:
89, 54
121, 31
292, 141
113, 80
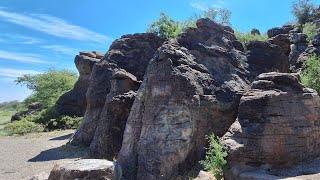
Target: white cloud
199, 5
53, 26
10, 74
26, 58
205, 4
61, 49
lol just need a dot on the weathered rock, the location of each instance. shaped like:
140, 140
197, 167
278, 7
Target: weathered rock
131, 53
73, 103
277, 126
108, 136
192, 88
255, 31
316, 40
276, 31
283, 41
87, 169
33, 108
203, 175
298, 38
265, 57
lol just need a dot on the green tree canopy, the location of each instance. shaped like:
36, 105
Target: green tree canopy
49, 86
302, 10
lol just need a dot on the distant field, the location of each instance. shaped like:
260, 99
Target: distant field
5, 116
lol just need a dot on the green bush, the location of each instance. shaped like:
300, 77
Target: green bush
311, 73
21, 127
215, 157
311, 30
49, 86
302, 10
64, 122
246, 38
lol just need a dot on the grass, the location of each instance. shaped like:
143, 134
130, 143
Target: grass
5, 116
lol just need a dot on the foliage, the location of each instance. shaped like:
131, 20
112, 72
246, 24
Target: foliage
311, 30
12, 106
49, 86
311, 73
302, 10
246, 38
5, 116
220, 15
215, 157
166, 27
21, 127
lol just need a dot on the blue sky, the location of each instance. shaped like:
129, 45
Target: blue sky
38, 34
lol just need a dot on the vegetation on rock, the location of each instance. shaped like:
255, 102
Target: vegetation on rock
311, 30
311, 73
302, 10
215, 160
246, 38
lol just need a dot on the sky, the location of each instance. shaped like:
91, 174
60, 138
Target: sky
39, 34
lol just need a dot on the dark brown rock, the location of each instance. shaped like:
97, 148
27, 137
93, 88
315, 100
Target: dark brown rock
192, 88
131, 53
283, 41
277, 125
33, 108
265, 57
73, 103
276, 31
109, 133
255, 31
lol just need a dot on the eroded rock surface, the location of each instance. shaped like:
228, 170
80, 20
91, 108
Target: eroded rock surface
33, 108
277, 126
131, 53
192, 88
73, 103
86, 169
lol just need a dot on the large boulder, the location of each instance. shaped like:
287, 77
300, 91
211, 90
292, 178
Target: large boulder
107, 140
312, 49
192, 88
73, 103
298, 46
277, 126
283, 41
33, 108
266, 57
86, 169
131, 53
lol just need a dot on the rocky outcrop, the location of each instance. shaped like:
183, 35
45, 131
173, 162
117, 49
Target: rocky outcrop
283, 41
130, 53
255, 32
277, 125
108, 135
86, 169
265, 57
73, 103
312, 49
279, 30
299, 45
192, 88
33, 108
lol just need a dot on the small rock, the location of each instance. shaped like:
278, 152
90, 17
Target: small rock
255, 31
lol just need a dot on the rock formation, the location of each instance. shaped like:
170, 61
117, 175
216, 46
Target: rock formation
298, 46
33, 108
86, 169
312, 49
131, 53
255, 32
277, 126
73, 103
280, 30
283, 41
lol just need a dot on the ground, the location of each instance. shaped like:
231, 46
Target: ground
22, 157
5, 117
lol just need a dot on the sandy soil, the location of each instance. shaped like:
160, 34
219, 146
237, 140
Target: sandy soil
22, 157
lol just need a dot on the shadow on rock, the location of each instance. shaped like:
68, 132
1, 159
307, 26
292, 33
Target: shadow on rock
61, 138
63, 152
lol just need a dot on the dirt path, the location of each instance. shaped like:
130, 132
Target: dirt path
25, 156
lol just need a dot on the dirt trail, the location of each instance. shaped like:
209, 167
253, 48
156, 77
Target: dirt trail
22, 157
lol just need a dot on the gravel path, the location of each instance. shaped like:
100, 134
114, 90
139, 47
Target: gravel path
22, 157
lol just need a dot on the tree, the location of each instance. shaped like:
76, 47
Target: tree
219, 15
49, 86
302, 10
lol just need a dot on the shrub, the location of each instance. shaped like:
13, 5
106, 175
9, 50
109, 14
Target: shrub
64, 122
302, 10
21, 127
311, 73
311, 30
246, 38
49, 86
219, 15
215, 157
